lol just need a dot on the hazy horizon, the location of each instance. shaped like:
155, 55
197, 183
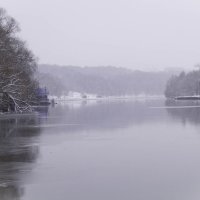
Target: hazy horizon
106, 111
135, 34
167, 69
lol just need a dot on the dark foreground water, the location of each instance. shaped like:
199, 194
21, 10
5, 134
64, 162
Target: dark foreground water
122, 150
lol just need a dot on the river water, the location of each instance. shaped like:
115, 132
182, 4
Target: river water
105, 150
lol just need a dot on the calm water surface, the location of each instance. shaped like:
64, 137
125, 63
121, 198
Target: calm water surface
120, 150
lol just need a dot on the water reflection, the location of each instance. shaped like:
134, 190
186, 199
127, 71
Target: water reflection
103, 115
113, 148
18, 151
186, 111
117, 150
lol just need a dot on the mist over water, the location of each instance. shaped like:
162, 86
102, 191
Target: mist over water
129, 149
89, 104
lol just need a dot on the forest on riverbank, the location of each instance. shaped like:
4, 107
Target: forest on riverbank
17, 68
184, 84
102, 80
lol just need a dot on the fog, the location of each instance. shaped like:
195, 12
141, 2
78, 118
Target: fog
136, 34
110, 109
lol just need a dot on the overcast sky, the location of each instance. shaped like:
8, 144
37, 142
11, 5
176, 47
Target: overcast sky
138, 34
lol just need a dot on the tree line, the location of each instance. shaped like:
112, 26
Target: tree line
184, 84
17, 67
102, 80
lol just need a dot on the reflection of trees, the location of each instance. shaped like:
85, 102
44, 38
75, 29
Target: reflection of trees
42, 110
10, 193
18, 153
105, 115
184, 110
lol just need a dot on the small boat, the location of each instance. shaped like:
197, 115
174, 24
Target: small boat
42, 96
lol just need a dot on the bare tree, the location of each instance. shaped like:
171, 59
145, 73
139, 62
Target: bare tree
17, 65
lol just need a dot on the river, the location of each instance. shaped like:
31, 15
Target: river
104, 150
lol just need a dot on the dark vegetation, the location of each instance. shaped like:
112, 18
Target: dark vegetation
17, 68
184, 84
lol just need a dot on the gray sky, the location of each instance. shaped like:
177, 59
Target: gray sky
138, 34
